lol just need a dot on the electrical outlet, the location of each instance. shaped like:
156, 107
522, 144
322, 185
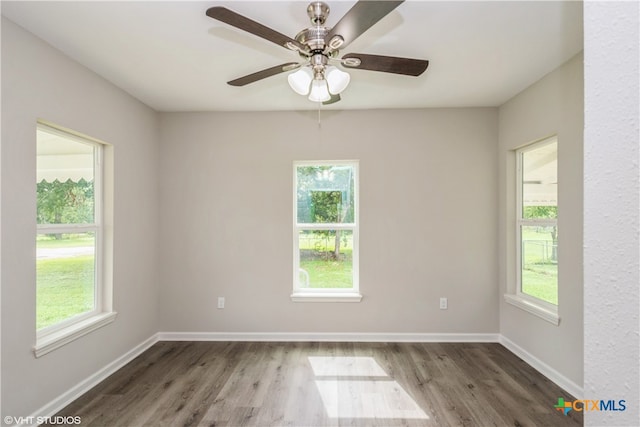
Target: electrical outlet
220, 302
443, 303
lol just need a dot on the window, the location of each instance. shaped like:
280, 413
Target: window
537, 224
70, 290
325, 237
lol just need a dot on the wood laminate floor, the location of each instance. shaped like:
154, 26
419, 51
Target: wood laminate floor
324, 384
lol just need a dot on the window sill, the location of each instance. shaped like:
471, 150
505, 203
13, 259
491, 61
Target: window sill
326, 297
545, 313
64, 336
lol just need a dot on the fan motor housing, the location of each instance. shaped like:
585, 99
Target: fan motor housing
313, 37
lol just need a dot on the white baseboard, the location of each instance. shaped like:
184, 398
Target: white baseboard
50, 409
546, 370
322, 336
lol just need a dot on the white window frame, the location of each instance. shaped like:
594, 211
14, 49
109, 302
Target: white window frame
54, 336
529, 303
301, 294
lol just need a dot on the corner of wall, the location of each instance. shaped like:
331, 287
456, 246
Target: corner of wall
551, 106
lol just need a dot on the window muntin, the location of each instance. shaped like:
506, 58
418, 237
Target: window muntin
537, 222
326, 233
69, 230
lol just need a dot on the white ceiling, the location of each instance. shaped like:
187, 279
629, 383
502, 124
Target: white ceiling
172, 57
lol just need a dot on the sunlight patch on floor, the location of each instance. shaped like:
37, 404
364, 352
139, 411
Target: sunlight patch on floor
357, 387
346, 366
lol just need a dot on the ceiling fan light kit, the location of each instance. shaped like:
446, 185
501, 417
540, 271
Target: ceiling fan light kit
330, 80
318, 48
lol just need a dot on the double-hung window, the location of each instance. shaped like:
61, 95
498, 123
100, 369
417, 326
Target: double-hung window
537, 225
70, 291
325, 238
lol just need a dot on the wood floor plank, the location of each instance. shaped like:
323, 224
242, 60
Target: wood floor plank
324, 384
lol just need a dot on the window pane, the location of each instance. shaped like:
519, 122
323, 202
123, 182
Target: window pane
540, 182
540, 262
65, 277
65, 180
326, 259
325, 194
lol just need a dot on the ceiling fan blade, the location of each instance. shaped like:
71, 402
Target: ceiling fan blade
332, 100
263, 74
387, 64
236, 20
362, 16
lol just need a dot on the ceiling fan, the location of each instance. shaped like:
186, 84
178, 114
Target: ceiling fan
318, 47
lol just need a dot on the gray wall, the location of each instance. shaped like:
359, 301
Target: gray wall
428, 220
553, 105
40, 82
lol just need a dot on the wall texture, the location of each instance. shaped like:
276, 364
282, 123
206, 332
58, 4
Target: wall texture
553, 105
612, 209
428, 220
40, 82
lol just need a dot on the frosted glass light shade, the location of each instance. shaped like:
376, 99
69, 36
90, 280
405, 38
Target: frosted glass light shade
300, 81
337, 79
319, 91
